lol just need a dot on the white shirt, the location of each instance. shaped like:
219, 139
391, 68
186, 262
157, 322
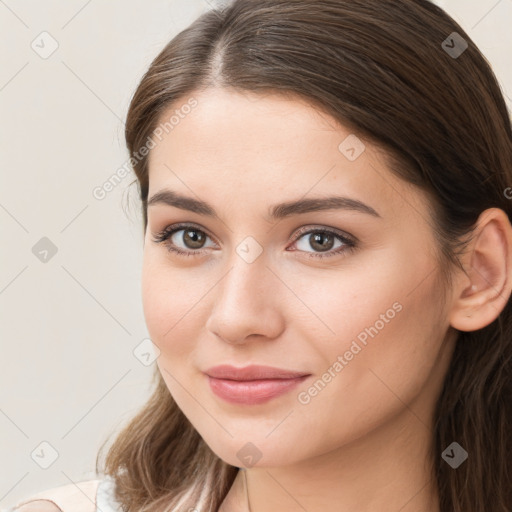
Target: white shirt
105, 501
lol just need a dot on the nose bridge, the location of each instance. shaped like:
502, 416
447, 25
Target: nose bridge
245, 300
247, 269
246, 282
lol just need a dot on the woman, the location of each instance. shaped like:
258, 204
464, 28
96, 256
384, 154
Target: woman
324, 194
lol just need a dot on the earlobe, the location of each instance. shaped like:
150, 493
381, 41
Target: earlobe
483, 292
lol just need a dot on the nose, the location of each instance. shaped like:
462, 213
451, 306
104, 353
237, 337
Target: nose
246, 303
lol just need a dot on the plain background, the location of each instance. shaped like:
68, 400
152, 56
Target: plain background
70, 325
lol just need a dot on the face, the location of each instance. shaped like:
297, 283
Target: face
345, 293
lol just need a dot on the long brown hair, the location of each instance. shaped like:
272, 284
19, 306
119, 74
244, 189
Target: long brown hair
384, 69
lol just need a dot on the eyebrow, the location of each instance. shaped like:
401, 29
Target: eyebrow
277, 211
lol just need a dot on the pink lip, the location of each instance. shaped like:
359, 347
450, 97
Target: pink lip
253, 384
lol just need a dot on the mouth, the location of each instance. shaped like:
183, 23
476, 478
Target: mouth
253, 384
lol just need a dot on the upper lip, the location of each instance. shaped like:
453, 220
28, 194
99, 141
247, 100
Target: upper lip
252, 372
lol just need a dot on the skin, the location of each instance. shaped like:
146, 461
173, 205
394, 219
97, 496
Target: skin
362, 442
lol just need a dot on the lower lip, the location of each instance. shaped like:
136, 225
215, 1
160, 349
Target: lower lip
251, 392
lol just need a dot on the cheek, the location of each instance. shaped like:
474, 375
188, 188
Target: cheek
356, 302
374, 365
376, 329
169, 303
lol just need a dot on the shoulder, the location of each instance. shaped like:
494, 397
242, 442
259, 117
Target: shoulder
79, 497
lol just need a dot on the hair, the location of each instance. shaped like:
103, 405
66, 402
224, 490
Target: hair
379, 68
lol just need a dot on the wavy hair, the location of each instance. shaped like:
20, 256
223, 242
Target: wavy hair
378, 67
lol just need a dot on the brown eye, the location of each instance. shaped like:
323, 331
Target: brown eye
184, 239
323, 241
192, 238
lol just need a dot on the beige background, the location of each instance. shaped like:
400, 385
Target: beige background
70, 325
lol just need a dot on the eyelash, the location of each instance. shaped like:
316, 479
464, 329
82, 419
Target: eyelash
165, 234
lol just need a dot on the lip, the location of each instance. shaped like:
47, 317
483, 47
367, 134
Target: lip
252, 384
252, 372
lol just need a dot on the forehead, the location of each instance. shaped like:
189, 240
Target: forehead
266, 148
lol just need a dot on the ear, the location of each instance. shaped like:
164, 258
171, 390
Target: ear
481, 294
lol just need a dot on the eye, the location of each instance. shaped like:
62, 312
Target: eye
324, 240
192, 237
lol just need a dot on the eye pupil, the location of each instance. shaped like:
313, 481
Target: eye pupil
195, 239
316, 238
